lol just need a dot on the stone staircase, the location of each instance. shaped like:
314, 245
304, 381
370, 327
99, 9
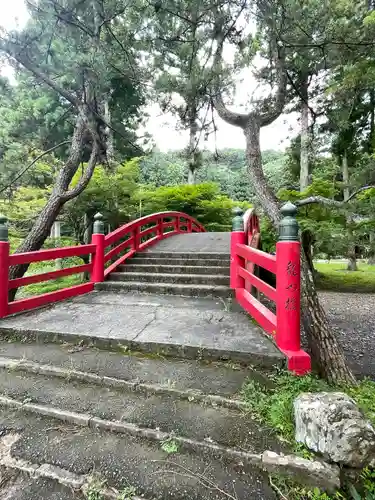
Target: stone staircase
173, 273
78, 422
120, 394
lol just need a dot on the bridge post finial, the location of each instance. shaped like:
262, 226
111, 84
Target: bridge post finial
4, 266
237, 221
98, 224
3, 228
288, 227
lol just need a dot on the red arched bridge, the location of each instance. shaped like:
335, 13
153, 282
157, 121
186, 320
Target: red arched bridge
202, 264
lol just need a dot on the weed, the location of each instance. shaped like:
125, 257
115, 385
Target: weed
127, 493
170, 446
273, 405
95, 488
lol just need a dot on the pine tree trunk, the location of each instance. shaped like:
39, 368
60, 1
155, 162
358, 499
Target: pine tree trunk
110, 148
326, 352
193, 152
352, 256
42, 227
305, 139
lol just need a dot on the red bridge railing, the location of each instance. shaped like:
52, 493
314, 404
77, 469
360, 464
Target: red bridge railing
107, 252
246, 259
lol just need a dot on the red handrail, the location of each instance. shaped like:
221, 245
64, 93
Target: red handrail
179, 223
284, 326
102, 250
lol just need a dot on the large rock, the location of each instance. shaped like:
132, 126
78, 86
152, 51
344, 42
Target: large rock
332, 424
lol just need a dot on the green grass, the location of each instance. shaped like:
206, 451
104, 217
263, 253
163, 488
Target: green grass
273, 406
48, 266
334, 276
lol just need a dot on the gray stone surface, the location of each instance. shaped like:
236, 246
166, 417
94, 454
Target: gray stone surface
164, 412
315, 473
210, 378
131, 461
333, 425
195, 242
17, 486
184, 290
188, 331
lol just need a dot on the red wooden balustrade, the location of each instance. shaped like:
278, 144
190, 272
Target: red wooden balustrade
114, 248
284, 326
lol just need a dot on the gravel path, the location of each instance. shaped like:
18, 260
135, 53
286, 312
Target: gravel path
353, 317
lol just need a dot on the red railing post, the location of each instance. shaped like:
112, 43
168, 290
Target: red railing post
238, 236
177, 226
288, 292
189, 226
97, 274
137, 238
4, 266
159, 229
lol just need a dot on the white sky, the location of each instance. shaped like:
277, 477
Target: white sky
162, 126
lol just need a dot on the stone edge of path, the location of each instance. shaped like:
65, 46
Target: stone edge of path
192, 395
168, 350
68, 479
315, 473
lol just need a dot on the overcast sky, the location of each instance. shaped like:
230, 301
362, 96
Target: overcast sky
163, 126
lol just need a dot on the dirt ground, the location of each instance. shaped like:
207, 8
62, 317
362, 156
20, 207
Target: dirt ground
353, 317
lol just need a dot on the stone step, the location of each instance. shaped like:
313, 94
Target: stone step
153, 373
152, 465
145, 259
183, 290
167, 268
187, 255
154, 426
186, 279
201, 328
152, 408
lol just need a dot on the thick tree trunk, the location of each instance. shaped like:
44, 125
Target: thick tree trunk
193, 152
326, 351
59, 196
371, 257
307, 242
110, 148
345, 175
305, 136
352, 256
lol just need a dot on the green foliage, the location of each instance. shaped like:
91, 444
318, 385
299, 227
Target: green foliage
170, 446
110, 193
202, 201
273, 406
126, 493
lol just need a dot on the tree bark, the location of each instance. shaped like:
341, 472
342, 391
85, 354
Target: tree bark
59, 196
352, 256
110, 148
326, 352
193, 152
305, 136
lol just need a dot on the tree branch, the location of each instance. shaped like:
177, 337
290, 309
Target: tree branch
276, 104
14, 51
85, 179
236, 119
329, 202
24, 170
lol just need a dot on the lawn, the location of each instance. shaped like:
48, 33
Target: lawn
45, 267
334, 276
